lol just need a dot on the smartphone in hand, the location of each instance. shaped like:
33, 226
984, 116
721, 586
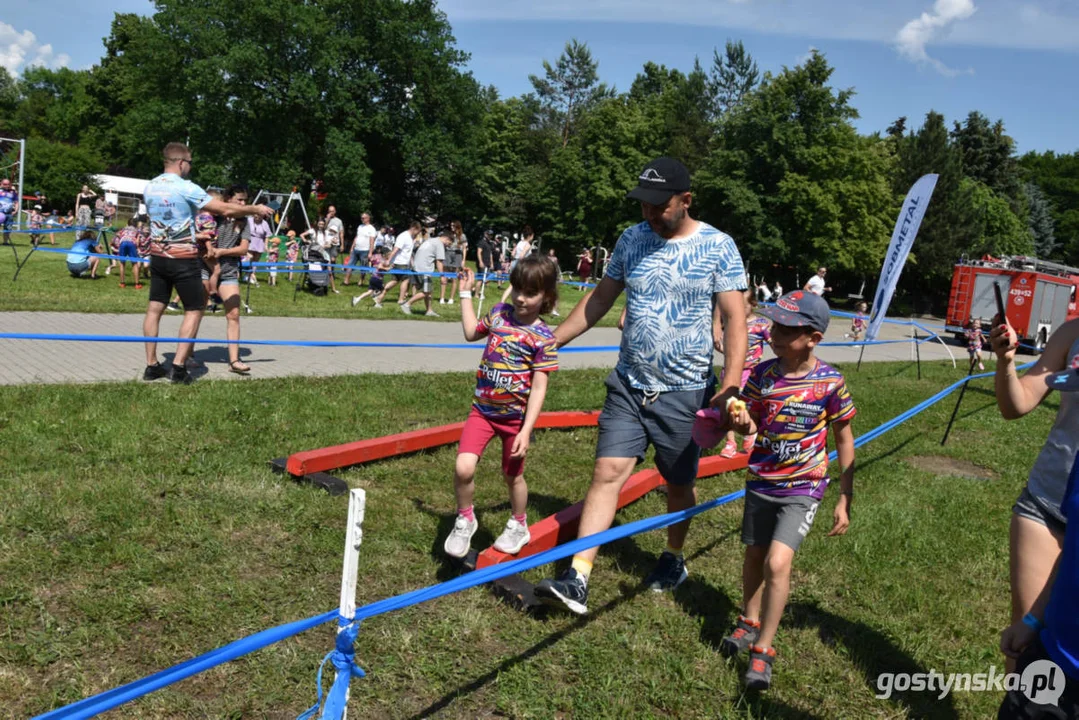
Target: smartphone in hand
1000, 302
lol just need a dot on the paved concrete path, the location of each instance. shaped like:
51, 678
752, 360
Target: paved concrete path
33, 361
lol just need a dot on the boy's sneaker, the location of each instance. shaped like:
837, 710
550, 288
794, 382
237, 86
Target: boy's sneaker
568, 592
154, 372
513, 538
431, 313
745, 633
759, 674
669, 573
729, 450
172, 307
123, 285
378, 306
405, 308
138, 286
459, 541
180, 376
355, 300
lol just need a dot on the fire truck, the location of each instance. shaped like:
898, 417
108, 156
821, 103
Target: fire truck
1039, 296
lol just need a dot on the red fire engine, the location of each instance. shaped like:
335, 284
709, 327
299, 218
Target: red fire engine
1039, 296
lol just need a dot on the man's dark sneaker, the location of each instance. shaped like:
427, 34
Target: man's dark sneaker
568, 592
173, 307
669, 573
180, 376
745, 633
154, 372
759, 674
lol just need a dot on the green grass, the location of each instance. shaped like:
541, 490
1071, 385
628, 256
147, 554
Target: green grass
141, 526
44, 284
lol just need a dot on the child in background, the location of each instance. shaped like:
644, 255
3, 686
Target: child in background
760, 334
36, 221
205, 233
859, 322
53, 222
511, 384
273, 248
125, 245
292, 251
790, 402
375, 284
975, 340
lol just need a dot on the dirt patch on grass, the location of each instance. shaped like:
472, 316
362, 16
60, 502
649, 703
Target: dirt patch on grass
941, 465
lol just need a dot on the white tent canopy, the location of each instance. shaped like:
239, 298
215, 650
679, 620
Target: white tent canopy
121, 185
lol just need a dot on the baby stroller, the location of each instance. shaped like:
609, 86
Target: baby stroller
316, 273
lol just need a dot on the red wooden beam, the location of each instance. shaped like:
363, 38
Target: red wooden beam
561, 527
363, 451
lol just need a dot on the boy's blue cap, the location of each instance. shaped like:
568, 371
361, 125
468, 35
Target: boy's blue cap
799, 309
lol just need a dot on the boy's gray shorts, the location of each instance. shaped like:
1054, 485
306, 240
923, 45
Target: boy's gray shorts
770, 517
629, 423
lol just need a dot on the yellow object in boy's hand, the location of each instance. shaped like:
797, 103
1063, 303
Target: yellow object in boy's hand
734, 405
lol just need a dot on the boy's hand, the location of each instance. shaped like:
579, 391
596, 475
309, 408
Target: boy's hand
520, 445
739, 417
1003, 339
468, 281
841, 516
1015, 639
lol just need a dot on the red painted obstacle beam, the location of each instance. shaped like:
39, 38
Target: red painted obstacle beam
363, 451
561, 527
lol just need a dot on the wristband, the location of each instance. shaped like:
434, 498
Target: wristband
1033, 623
464, 294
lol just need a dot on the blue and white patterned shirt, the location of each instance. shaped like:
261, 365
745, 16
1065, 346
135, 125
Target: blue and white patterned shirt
667, 341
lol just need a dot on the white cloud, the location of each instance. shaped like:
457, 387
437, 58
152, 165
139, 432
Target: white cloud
916, 34
21, 49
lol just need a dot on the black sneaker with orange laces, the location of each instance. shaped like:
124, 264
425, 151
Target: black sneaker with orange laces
759, 674
745, 633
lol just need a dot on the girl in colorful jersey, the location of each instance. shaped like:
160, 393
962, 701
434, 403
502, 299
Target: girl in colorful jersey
975, 340
760, 334
511, 384
858, 323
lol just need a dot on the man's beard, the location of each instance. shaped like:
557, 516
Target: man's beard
671, 225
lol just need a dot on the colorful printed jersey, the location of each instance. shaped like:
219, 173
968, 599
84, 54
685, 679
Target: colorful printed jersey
667, 340
8, 200
975, 339
760, 334
858, 324
172, 203
790, 456
124, 234
513, 353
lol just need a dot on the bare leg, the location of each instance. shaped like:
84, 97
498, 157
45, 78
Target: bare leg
230, 294
1035, 550
679, 497
753, 580
777, 587
150, 326
189, 328
601, 502
518, 493
464, 473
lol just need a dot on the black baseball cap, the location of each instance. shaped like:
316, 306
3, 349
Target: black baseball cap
799, 309
660, 179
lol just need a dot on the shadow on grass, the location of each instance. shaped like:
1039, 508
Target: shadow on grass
873, 653
861, 466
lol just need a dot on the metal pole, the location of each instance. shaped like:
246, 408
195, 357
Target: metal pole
962, 391
860, 353
918, 353
22, 166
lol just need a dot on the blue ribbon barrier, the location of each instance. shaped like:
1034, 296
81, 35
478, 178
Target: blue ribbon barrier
343, 659
110, 699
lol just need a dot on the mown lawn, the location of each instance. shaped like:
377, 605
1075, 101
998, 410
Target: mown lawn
44, 284
141, 526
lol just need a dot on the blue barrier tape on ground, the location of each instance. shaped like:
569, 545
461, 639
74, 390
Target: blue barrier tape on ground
113, 698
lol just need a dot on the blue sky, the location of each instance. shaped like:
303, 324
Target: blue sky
1012, 59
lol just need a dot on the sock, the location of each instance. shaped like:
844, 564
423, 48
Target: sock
522, 518
677, 552
468, 513
582, 566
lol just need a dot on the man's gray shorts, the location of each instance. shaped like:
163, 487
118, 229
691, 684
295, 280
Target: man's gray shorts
786, 518
630, 421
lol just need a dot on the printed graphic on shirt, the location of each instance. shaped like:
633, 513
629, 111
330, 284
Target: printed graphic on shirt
790, 456
975, 339
667, 341
513, 353
172, 203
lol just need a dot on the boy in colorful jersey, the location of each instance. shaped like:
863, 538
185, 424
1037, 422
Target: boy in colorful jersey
790, 402
511, 384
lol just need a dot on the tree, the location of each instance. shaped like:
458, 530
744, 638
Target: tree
793, 182
59, 170
732, 77
987, 154
1058, 177
1002, 232
569, 87
1040, 221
